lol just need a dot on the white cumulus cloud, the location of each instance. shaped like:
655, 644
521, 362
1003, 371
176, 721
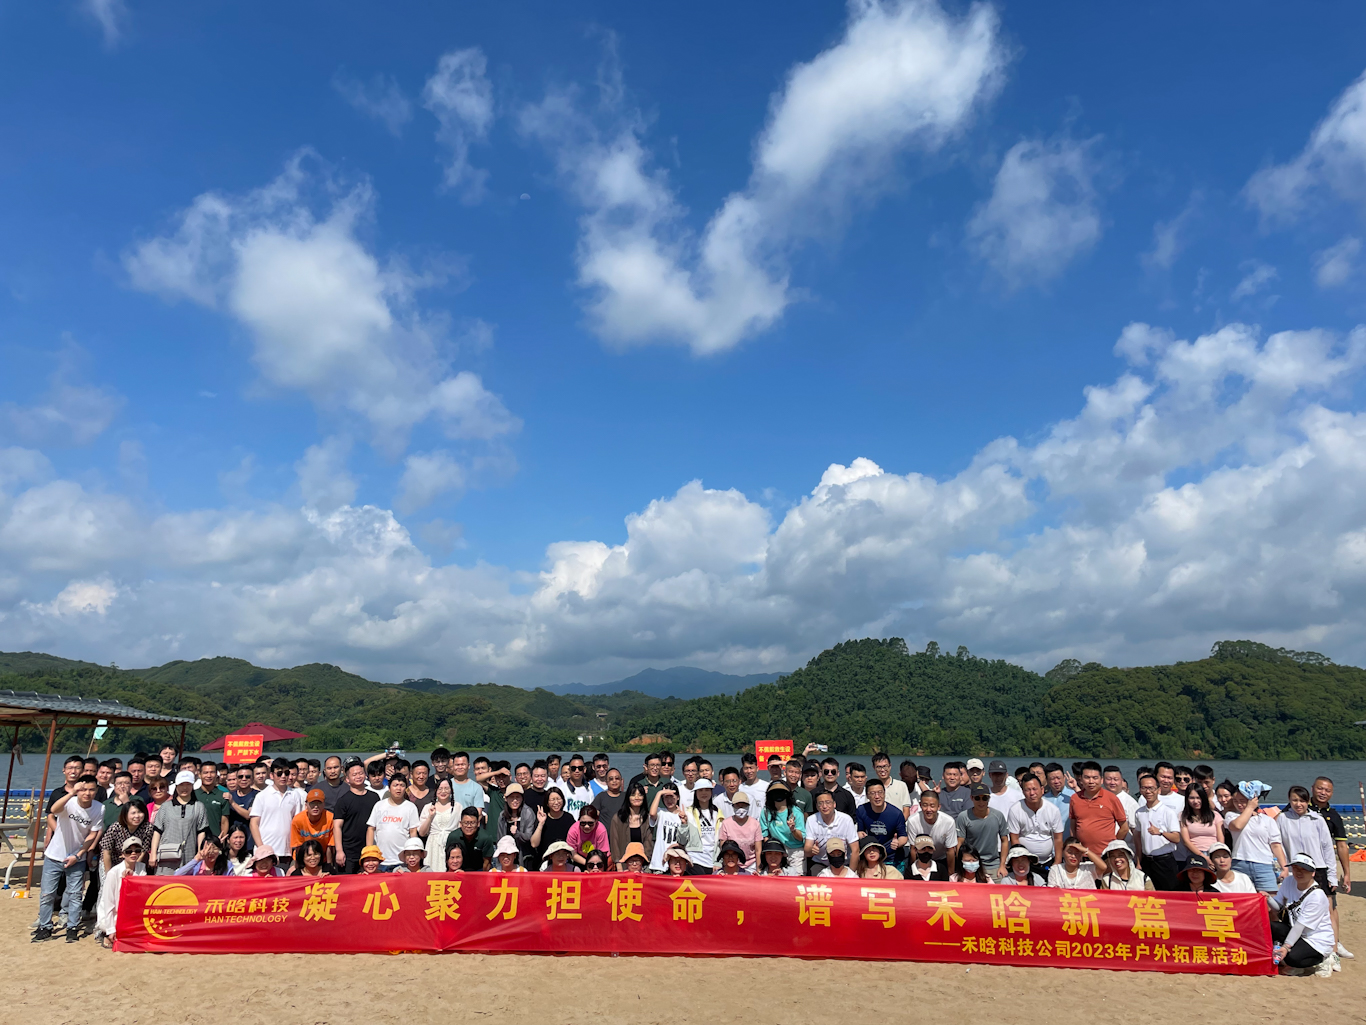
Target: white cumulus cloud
1333, 161
905, 76
460, 96
1336, 265
1043, 212
1214, 488
327, 317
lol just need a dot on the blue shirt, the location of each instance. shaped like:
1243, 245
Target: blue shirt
883, 827
1062, 801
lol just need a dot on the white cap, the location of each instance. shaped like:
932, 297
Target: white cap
975, 763
1303, 860
185, 776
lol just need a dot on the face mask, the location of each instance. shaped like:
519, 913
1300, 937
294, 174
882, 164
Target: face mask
836, 858
970, 867
741, 811
924, 856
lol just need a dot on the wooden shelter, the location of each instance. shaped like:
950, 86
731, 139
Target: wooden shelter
55, 713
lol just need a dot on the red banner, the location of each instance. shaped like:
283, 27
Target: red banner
766, 749
641, 914
242, 747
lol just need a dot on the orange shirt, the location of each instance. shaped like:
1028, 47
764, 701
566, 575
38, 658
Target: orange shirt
301, 829
1094, 822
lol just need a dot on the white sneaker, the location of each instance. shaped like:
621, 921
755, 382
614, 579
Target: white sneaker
1337, 963
1344, 952
1325, 968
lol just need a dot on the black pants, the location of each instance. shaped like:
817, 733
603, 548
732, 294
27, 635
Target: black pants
1301, 955
1161, 869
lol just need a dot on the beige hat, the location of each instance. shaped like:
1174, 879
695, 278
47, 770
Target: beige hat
513, 788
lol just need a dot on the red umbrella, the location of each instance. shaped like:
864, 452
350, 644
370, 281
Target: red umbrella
267, 734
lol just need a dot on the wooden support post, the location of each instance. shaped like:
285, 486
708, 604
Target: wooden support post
40, 819
4, 812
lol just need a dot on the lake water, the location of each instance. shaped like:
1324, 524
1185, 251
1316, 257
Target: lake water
1347, 776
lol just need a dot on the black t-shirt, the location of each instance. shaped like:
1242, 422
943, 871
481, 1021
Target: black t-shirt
534, 798
553, 830
420, 803
607, 805
333, 793
353, 810
844, 800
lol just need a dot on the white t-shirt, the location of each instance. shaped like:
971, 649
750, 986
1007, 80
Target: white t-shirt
1004, 802
1312, 919
668, 827
1036, 829
574, 800
392, 823
818, 832
74, 826
1085, 878
1241, 884
1164, 818
1130, 806
1253, 842
859, 799
276, 810
944, 832
757, 792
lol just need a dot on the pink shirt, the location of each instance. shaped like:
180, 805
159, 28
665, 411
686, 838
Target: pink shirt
1202, 836
747, 836
586, 843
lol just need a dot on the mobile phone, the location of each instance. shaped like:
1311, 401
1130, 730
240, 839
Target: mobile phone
822, 747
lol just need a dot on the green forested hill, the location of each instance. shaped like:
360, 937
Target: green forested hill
1246, 701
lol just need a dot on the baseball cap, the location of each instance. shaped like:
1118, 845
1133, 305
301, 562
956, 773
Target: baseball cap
978, 789
1121, 846
1303, 860
1251, 788
705, 784
833, 844
130, 843
975, 763
414, 844
740, 798
185, 776
1218, 847
317, 795
923, 842
1196, 861
637, 850
369, 852
997, 766
507, 845
513, 788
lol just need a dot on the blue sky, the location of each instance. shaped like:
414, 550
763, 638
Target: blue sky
547, 342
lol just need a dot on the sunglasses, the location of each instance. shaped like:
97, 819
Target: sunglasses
831, 772
979, 797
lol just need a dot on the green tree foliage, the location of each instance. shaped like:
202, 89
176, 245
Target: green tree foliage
1247, 700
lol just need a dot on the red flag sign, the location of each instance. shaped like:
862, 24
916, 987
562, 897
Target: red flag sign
242, 747
765, 749
1223, 933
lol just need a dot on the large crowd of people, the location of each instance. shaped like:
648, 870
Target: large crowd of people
1077, 827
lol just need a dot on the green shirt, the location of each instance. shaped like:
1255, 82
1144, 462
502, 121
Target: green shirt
802, 798
215, 807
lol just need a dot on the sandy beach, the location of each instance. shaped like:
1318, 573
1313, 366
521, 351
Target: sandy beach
367, 989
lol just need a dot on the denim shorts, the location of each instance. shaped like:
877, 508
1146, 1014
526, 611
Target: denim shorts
1263, 876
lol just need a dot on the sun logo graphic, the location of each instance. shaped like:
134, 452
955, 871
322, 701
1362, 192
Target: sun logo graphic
167, 909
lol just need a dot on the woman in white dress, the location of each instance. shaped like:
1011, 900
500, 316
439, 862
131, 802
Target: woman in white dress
438, 819
107, 910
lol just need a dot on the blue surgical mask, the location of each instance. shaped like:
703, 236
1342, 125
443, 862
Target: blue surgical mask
971, 867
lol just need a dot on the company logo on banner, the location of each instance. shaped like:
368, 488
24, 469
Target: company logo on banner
1224, 933
764, 749
244, 747
167, 909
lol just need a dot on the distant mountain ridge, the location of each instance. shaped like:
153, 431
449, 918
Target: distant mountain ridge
683, 682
